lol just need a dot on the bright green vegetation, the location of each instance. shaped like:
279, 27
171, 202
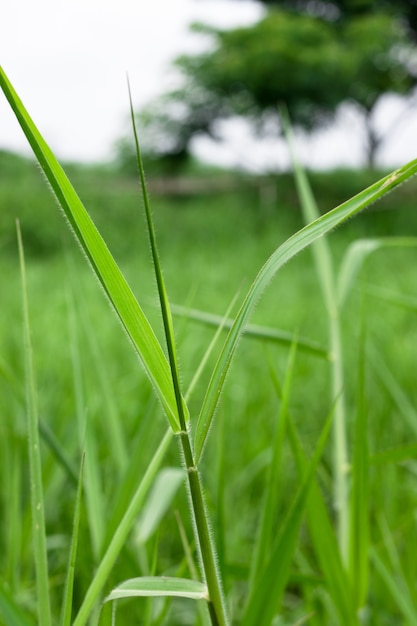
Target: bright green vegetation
262, 467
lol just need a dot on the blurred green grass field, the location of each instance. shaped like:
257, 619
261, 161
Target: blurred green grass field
211, 244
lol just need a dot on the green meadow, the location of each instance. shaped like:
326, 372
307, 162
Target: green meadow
271, 490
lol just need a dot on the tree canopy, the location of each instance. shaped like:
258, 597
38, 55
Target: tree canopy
307, 61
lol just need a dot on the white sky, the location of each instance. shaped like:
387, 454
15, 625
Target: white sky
68, 61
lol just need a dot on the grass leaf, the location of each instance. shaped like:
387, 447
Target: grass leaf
270, 505
356, 255
284, 253
69, 582
151, 586
267, 590
104, 266
36, 488
121, 533
162, 493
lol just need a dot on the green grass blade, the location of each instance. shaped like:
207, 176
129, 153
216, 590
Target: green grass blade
267, 590
36, 488
295, 244
216, 602
166, 485
153, 586
120, 536
359, 507
182, 410
252, 331
92, 477
209, 350
104, 266
357, 253
325, 271
58, 451
324, 540
69, 582
270, 505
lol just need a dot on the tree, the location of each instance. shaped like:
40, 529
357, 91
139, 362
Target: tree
309, 63
339, 10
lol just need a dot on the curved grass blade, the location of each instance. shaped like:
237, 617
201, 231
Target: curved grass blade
104, 266
152, 586
36, 488
295, 244
356, 255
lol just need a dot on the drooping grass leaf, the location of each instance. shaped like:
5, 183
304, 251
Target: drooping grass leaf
151, 586
36, 488
356, 255
295, 244
69, 582
104, 266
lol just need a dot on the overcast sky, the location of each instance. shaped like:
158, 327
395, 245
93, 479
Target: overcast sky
68, 61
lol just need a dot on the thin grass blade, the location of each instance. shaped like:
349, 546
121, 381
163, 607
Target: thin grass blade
36, 488
182, 410
121, 534
295, 244
325, 271
270, 505
324, 540
92, 477
383, 372
267, 590
69, 582
359, 497
104, 266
